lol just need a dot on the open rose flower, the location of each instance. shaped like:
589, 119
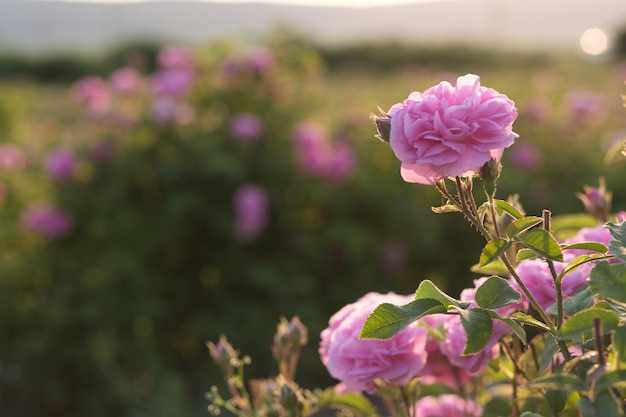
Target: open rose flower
450, 131
358, 363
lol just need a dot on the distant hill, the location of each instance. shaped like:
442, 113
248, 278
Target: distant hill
51, 26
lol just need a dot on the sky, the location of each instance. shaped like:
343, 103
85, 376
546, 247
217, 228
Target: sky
331, 3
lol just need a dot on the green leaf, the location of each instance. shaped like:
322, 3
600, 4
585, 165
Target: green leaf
618, 245
503, 206
529, 414
550, 348
496, 292
524, 254
496, 267
592, 246
567, 225
581, 323
559, 381
609, 280
427, 289
556, 399
387, 319
578, 261
530, 320
603, 405
514, 325
580, 301
522, 225
543, 244
617, 250
493, 250
618, 358
618, 231
610, 378
478, 327
446, 208
354, 401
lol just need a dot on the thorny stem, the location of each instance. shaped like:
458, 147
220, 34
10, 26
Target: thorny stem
473, 219
597, 334
492, 208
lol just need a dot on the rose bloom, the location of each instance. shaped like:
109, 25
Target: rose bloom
438, 369
12, 158
60, 164
126, 80
251, 203
46, 220
585, 107
246, 127
358, 363
536, 275
454, 345
94, 93
451, 131
447, 405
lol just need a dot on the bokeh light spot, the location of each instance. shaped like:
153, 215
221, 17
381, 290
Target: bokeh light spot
594, 41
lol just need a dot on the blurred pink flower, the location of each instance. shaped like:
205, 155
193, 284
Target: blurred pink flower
394, 256
126, 80
341, 162
94, 93
311, 147
175, 57
47, 221
447, 405
448, 131
12, 158
246, 127
358, 363
537, 110
584, 107
261, 60
524, 156
172, 82
536, 275
167, 110
60, 164
317, 156
251, 206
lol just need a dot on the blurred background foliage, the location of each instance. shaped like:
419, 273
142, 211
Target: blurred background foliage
110, 317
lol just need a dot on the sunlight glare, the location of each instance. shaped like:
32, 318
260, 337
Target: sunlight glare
594, 41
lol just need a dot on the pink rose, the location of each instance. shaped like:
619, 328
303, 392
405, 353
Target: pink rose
536, 275
454, 345
525, 157
12, 158
246, 127
448, 405
94, 93
585, 107
126, 80
451, 131
60, 164
47, 221
358, 363
318, 156
251, 203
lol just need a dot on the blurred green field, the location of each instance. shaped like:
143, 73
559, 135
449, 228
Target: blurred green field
112, 318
